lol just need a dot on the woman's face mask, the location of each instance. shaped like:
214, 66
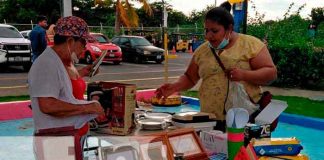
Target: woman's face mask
223, 44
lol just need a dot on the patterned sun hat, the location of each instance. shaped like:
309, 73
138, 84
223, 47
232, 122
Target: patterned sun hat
72, 26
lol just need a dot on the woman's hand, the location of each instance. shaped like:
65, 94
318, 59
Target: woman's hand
236, 74
85, 71
165, 90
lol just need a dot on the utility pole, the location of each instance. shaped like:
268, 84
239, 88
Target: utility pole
245, 8
165, 42
67, 7
215, 3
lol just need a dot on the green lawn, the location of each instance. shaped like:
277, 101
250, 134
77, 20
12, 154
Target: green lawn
296, 105
14, 98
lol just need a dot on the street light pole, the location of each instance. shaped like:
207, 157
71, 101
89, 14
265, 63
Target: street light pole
165, 43
67, 8
245, 7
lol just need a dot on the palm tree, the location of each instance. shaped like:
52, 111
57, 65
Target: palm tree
125, 12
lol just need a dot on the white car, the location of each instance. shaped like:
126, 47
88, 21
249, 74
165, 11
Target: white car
26, 33
14, 48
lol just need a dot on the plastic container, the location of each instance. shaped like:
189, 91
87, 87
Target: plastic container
235, 140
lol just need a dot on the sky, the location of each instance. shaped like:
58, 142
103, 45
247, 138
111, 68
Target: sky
273, 9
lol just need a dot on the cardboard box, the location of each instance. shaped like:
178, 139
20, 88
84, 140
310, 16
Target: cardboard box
214, 141
256, 131
119, 102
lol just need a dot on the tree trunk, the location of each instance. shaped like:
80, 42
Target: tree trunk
117, 21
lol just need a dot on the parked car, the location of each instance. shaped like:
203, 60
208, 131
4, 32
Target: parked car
14, 48
26, 34
138, 49
95, 48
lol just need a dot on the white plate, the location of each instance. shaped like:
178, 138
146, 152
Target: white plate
152, 124
158, 116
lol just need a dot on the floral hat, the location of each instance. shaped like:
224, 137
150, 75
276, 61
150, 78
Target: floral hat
72, 26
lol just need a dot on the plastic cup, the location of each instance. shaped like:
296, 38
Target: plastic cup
235, 140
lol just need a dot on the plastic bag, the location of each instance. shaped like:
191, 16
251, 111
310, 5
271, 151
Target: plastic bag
238, 98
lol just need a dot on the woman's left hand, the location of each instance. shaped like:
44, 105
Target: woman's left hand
236, 74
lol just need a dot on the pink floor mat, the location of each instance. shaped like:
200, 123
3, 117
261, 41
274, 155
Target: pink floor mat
20, 109
15, 110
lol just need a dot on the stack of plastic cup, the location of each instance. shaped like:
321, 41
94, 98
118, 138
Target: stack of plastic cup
235, 140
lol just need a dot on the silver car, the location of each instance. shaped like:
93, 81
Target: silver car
14, 48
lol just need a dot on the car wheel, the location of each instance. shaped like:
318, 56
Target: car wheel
159, 61
116, 62
138, 59
125, 59
88, 58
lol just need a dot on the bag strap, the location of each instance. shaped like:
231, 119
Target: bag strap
218, 59
224, 69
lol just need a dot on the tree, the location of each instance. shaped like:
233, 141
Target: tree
126, 14
174, 17
22, 11
317, 15
104, 12
156, 19
197, 17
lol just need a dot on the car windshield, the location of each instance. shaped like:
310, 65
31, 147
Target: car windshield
9, 32
140, 42
101, 39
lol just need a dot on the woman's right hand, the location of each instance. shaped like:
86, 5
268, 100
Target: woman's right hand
165, 90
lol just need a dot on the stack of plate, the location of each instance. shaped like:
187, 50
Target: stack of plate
152, 124
158, 116
154, 121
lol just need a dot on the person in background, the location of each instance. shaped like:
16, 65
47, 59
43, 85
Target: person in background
38, 37
50, 87
50, 31
312, 30
246, 59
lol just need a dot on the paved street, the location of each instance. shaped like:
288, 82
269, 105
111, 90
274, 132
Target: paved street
13, 80
149, 75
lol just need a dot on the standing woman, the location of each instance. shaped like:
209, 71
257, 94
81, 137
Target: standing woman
245, 58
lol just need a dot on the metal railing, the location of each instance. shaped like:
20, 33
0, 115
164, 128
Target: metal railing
110, 30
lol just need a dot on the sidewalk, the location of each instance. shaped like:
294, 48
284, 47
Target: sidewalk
314, 95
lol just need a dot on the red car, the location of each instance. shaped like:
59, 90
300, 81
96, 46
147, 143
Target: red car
95, 48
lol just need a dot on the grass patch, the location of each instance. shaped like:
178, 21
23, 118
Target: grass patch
14, 98
190, 94
296, 105
303, 106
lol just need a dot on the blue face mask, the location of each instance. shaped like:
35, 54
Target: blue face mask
222, 45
